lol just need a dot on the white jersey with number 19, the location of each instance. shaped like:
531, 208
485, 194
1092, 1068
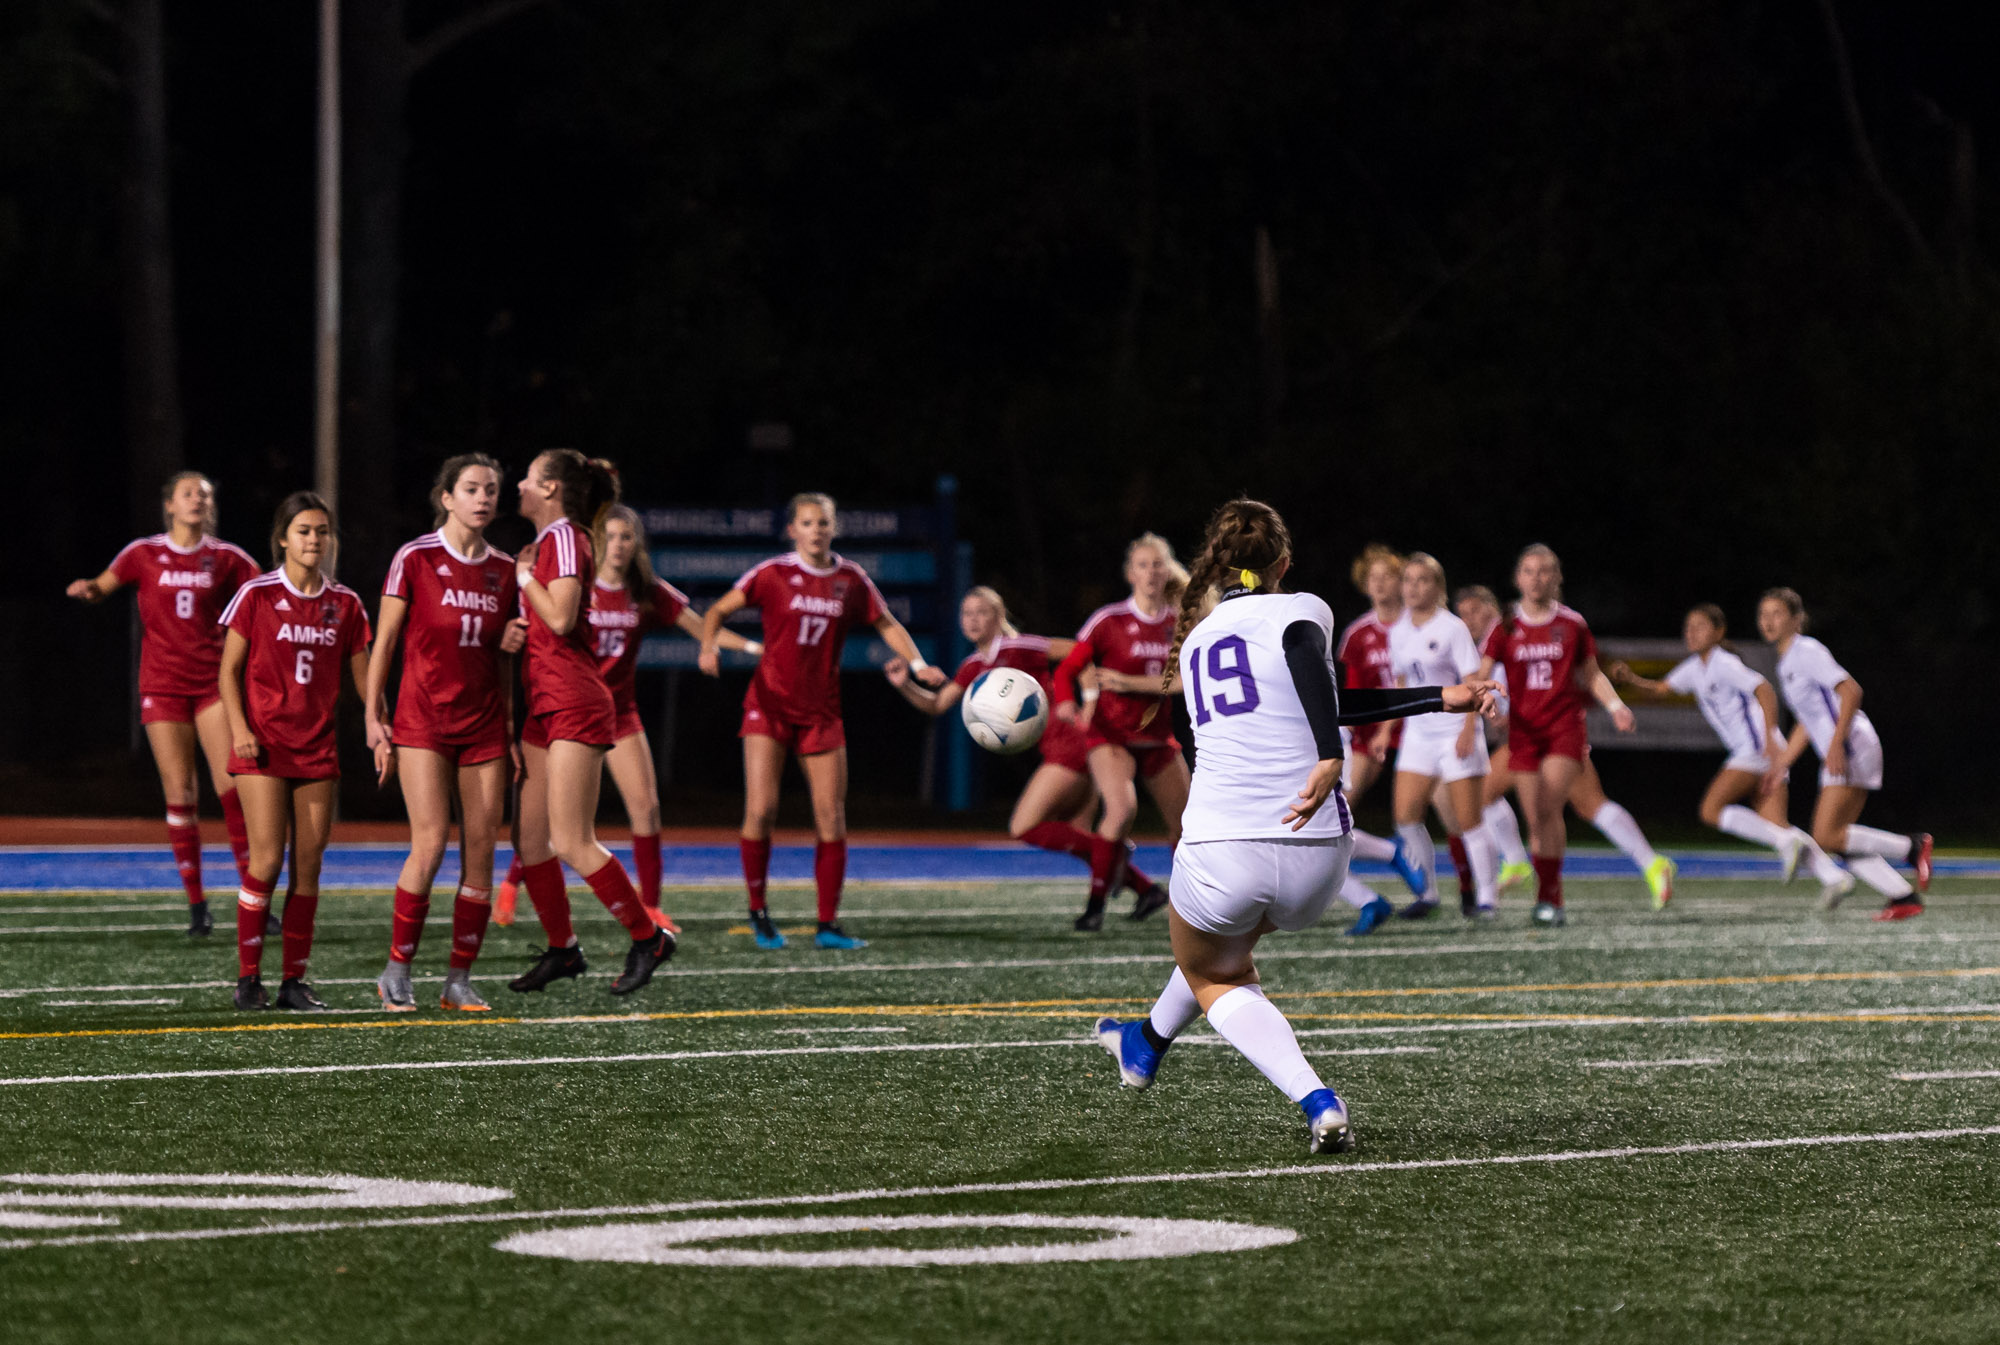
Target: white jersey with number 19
1253, 747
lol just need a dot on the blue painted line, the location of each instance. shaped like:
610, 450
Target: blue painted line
140, 869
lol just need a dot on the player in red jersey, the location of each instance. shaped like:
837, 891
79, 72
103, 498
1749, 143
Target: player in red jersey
184, 577
1363, 655
1125, 722
627, 600
448, 600
572, 722
1552, 674
1059, 803
288, 633
810, 599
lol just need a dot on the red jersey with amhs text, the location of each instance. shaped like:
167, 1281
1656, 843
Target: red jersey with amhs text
1124, 639
619, 622
1363, 655
562, 669
1542, 662
181, 595
807, 614
457, 609
298, 644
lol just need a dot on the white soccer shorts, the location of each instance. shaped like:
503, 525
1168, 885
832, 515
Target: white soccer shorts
1229, 887
1436, 755
1864, 763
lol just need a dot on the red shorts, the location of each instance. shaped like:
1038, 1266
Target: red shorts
1153, 755
807, 737
1528, 744
592, 725
158, 709
629, 723
322, 763
487, 742
1063, 745
1365, 735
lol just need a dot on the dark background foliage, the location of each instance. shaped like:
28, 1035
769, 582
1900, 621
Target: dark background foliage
1649, 280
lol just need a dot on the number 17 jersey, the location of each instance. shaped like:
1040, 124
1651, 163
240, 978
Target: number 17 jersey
1253, 747
807, 612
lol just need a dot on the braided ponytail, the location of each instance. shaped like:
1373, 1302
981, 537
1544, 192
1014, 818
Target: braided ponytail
1245, 539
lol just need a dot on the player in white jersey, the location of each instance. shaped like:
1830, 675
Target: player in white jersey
1743, 710
1429, 646
1265, 835
1826, 702
1479, 608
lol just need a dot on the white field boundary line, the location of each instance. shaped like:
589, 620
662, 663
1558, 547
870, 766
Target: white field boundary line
1325, 1169
630, 1057
1939, 1075
1695, 1061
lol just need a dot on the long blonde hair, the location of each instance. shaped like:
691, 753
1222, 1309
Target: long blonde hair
992, 598
1177, 574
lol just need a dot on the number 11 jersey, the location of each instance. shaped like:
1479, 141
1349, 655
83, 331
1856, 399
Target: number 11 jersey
458, 607
1253, 749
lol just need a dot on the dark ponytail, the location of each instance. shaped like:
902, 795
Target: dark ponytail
589, 489
1245, 538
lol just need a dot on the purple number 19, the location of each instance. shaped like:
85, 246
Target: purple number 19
1235, 667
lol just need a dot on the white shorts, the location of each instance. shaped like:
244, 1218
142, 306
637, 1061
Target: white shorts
1437, 756
1230, 887
1756, 763
1864, 764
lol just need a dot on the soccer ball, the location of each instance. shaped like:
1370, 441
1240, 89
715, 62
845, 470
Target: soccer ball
1005, 711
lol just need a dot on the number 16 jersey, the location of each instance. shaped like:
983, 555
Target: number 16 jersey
1253, 747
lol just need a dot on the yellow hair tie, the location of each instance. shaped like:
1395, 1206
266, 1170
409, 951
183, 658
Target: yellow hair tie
1249, 578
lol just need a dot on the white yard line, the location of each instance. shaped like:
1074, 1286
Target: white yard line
1328, 1168
1928, 1076
1689, 1061
99, 1003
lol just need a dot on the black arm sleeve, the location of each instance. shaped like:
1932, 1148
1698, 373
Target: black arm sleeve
1371, 706
1305, 655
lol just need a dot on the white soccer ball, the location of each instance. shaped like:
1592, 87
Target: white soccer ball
1005, 711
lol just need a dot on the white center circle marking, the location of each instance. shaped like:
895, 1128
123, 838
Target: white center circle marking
116, 1190
666, 1244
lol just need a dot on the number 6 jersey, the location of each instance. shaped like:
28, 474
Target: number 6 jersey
458, 607
298, 645
1253, 746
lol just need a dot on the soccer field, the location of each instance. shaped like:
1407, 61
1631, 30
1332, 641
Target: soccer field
1740, 1119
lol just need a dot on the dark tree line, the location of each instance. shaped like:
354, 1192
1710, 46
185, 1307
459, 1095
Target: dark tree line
1700, 294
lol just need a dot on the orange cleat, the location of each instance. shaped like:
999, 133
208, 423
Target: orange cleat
1902, 908
503, 903
663, 920
1920, 856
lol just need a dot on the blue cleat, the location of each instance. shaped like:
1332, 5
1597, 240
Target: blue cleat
1326, 1118
1370, 916
1411, 874
833, 936
766, 932
1137, 1060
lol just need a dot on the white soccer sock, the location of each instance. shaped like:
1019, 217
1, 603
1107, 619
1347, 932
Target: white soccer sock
1505, 829
1877, 873
1824, 866
1355, 892
1175, 1008
1485, 857
1368, 846
1741, 822
1253, 1025
1872, 841
1418, 849
1619, 828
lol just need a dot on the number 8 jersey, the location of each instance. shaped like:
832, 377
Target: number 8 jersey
1253, 747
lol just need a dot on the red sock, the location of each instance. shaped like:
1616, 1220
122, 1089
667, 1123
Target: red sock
239, 832
544, 882
406, 927
251, 904
829, 872
614, 888
1134, 877
1461, 861
1060, 837
514, 871
185, 837
300, 907
1106, 857
469, 914
646, 864
756, 868
1549, 879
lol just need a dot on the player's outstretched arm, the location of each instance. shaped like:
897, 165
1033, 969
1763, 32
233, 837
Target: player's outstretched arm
95, 590
898, 639
1606, 695
1312, 677
709, 661
933, 703
692, 624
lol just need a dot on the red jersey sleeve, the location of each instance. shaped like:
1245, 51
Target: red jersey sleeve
1494, 646
666, 606
876, 608
1062, 683
241, 615
126, 565
397, 583
1586, 647
356, 633
751, 585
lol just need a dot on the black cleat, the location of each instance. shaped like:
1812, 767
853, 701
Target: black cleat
200, 923
642, 960
250, 993
294, 993
272, 924
1092, 918
1468, 902
1152, 899
553, 965
1419, 909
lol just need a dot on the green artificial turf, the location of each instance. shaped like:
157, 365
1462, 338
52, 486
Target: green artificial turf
1483, 1043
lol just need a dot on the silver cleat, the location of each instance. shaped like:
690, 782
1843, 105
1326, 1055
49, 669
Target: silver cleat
393, 985
1790, 848
1831, 894
459, 994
